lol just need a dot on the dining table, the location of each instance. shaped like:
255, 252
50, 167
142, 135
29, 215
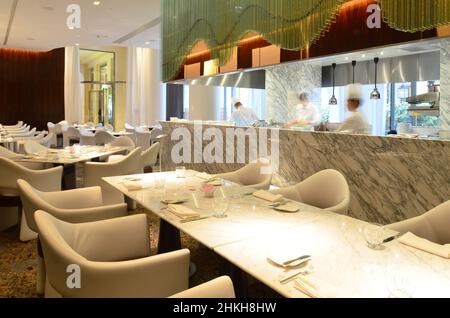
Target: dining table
254, 233
68, 159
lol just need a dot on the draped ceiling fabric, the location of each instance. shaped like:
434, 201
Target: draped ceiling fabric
289, 24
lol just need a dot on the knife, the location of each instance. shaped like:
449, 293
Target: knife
391, 238
304, 258
194, 219
291, 277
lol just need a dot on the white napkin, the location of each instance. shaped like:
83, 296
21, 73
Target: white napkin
133, 185
182, 211
422, 244
204, 176
314, 288
266, 195
288, 207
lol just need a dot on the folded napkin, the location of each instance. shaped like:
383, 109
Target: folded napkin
422, 244
314, 288
182, 211
133, 185
214, 182
266, 195
288, 207
204, 176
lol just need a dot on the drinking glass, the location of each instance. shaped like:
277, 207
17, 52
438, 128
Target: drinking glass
220, 205
180, 172
160, 182
374, 235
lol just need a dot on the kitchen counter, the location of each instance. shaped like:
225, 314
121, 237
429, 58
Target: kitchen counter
390, 179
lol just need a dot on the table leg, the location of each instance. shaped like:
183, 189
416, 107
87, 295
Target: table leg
69, 180
169, 238
240, 280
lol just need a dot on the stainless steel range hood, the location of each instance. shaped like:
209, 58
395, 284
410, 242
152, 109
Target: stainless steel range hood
244, 79
409, 68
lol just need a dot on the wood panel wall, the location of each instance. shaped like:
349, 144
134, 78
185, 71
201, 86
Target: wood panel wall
31, 87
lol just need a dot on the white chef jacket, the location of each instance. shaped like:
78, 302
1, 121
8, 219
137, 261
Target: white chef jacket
244, 117
355, 124
308, 113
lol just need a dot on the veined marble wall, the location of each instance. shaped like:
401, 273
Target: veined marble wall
283, 85
390, 179
445, 87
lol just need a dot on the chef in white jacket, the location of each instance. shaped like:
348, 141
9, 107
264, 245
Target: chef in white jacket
307, 113
243, 116
356, 123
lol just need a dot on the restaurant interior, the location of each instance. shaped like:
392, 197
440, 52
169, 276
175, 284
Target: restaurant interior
231, 149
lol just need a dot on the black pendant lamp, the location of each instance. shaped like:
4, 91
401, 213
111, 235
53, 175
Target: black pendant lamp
333, 100
375, 93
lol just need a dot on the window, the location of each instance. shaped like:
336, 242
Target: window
251, 98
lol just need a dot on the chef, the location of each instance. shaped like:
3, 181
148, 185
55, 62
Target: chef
356, 123
243, 116
307, 113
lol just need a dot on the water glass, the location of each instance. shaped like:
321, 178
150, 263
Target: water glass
160, 182
374, 235
180, 172
220, 207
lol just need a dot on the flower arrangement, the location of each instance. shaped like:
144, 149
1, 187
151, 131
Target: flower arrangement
208, 190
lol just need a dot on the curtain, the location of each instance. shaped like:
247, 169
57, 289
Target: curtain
145, 98
73, 89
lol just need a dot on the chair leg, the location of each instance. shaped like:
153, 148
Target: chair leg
26, 234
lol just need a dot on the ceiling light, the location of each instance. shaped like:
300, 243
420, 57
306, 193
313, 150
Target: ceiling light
346, 58
333, 100
363, 56
375, 93
96, 3
77, 44
147, 43
71, 28
381, 53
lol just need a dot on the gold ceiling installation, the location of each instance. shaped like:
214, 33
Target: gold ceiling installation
415, 15
290, 24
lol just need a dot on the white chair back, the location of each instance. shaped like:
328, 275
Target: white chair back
143, 138
71, 133
109, 127
103, 137
32, 147
87, 138
123, 141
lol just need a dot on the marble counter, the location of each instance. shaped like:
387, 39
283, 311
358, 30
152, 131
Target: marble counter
390, 179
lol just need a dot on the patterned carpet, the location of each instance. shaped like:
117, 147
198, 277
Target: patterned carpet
18, 264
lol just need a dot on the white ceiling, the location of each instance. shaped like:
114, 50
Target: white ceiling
41, 24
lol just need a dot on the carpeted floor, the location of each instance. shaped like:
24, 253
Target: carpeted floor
18, 264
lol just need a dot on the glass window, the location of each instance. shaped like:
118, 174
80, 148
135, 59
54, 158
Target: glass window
250, 98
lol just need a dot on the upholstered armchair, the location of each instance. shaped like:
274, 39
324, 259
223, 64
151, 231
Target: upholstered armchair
221, 287
71, 133
327, 190
74, 206
113, 257
433, 225
95, 171
257, 175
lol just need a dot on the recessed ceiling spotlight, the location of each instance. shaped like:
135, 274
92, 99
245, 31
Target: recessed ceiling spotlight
77, 44
97, 3
381, 53
147, 43
363, 56
346, 58
71, 28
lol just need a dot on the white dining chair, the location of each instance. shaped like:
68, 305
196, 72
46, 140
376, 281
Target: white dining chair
22, 129
72, 134
221, 287
46, 141
149, 158
90, 125
103, 137
326, 190
143, 138
433, 225
74, 206
16, 126
87, 138
32, 147
30, 133
257, 175
154, 134
109, 127
116, 262
95, 171
44, 180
